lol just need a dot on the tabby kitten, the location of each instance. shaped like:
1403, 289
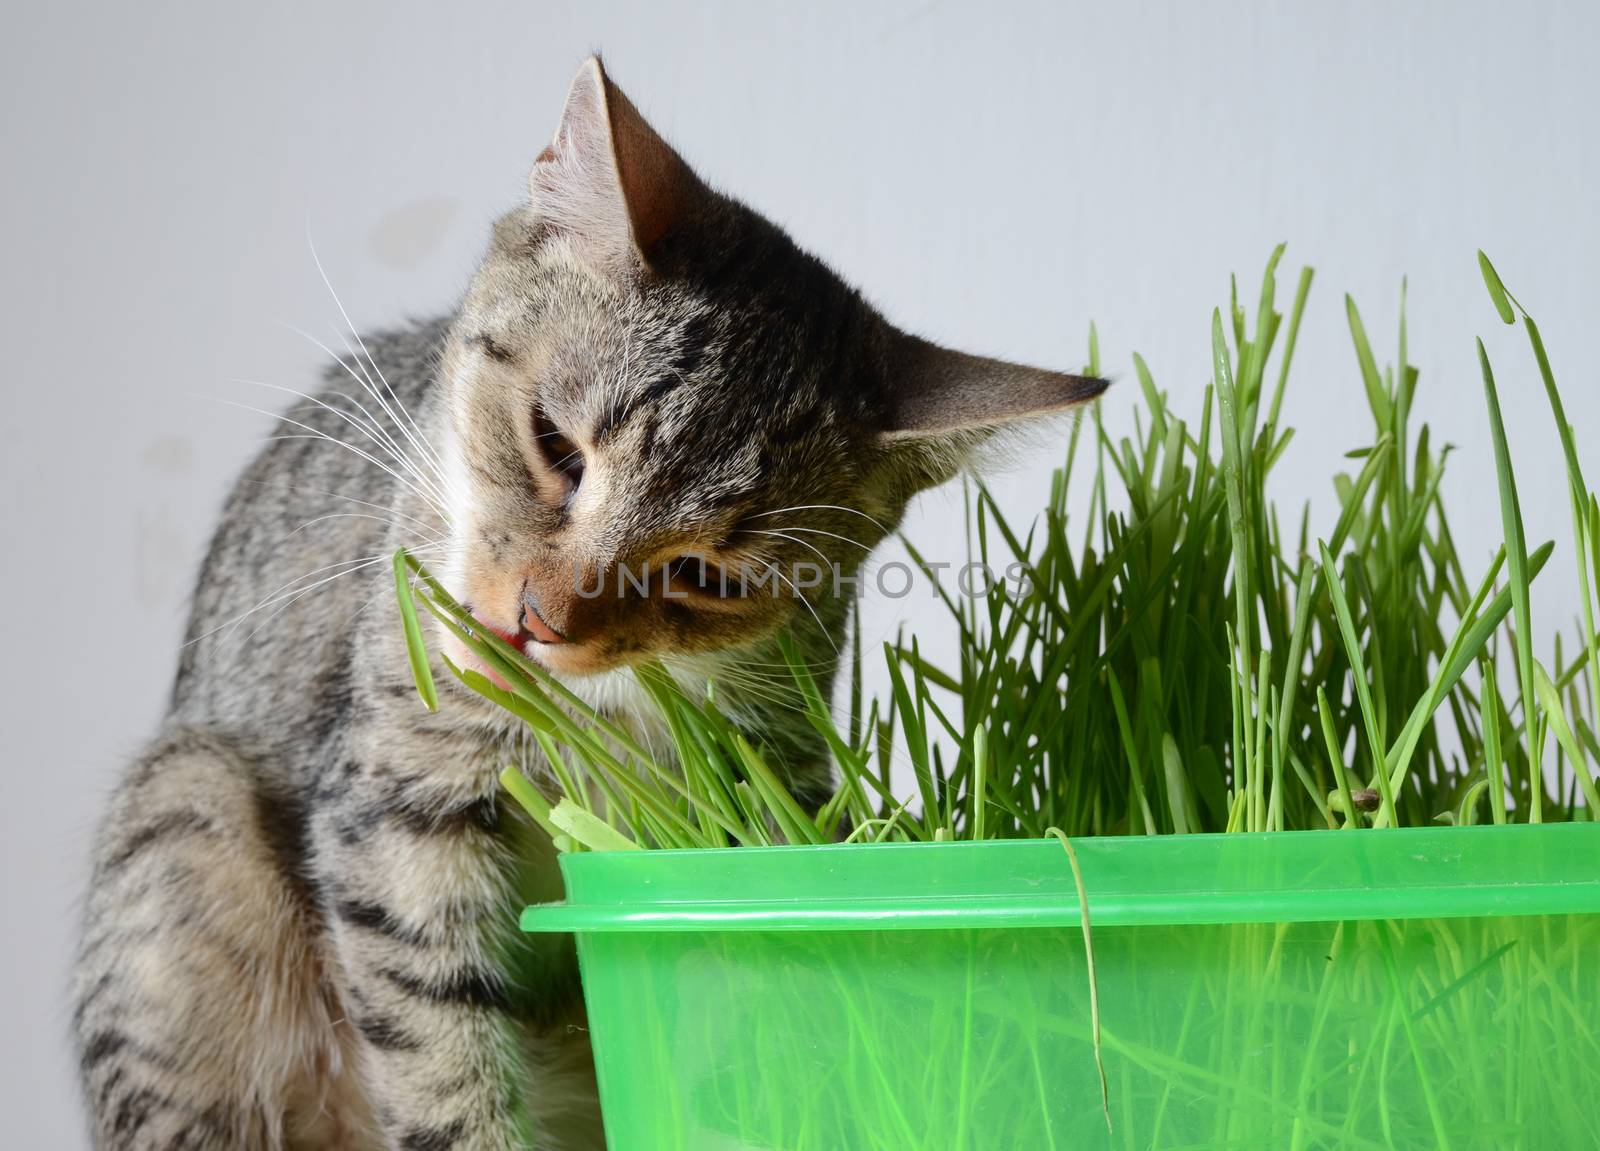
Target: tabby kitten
300, 930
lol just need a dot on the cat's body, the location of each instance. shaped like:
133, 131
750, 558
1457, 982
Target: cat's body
301, 927
301, 815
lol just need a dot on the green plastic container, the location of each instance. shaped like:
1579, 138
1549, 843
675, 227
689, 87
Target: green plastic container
1364, 989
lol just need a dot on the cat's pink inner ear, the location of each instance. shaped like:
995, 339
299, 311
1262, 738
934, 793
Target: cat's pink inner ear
937, 391
607, 178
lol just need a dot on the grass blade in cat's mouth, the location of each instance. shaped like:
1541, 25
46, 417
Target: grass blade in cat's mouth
518, 637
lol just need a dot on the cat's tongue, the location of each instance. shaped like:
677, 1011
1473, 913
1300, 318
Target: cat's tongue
516, 639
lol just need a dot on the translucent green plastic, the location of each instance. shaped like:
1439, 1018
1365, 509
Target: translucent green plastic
1362, 989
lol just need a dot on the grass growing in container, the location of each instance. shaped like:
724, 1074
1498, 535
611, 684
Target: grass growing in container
1181, 662
1186, 659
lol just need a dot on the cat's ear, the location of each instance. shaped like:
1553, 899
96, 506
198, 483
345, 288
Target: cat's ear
607, 179
938, 392
942, 404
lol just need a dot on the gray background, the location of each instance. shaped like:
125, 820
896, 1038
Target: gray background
993, 179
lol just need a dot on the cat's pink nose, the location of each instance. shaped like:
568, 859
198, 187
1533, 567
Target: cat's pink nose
533, 623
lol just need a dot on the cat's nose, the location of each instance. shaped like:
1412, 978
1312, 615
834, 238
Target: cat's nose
534, 623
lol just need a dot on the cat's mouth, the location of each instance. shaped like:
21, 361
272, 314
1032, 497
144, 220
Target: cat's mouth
532, 636
520, 638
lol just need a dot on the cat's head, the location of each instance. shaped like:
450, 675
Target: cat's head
655, 400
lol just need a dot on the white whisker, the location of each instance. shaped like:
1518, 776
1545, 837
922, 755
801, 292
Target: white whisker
386, 521
381, 559
423, 525
375, 433
286, 590
353, 366
318, 434
831, 535
418, 440
762, 693
784, 536
821, 626
822, 507
290, 591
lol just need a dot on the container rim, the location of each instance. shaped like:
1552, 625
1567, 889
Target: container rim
1131, 881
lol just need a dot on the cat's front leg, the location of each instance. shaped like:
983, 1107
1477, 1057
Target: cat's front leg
412, 872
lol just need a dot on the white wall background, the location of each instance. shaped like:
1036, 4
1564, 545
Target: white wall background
993, 179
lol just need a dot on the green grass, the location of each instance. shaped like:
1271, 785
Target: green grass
1185, 659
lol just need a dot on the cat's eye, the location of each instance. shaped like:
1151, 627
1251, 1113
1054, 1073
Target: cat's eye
698, 575
560, 454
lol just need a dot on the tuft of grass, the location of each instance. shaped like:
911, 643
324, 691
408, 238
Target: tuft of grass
1189, 658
